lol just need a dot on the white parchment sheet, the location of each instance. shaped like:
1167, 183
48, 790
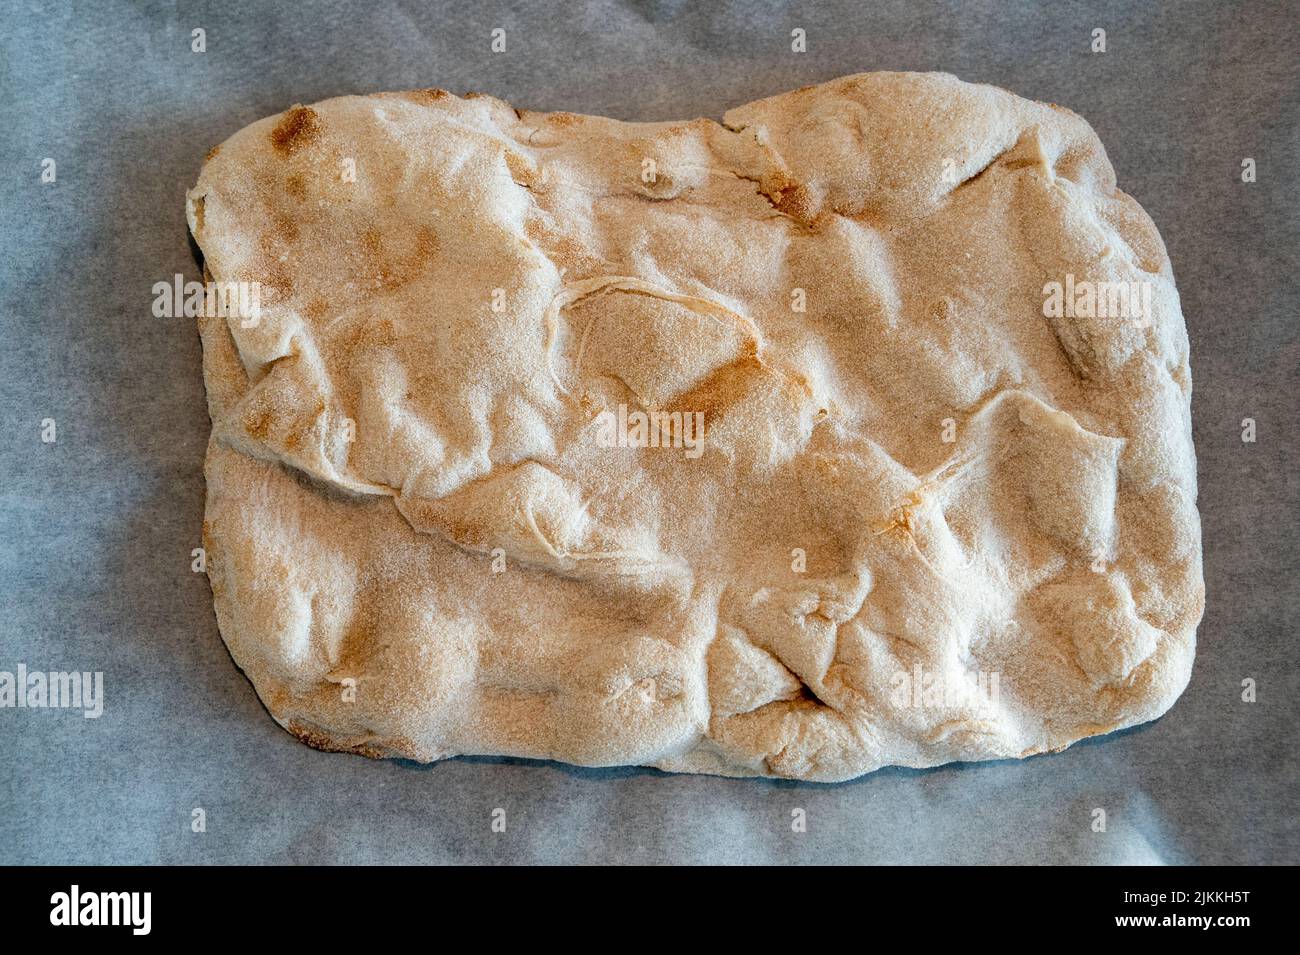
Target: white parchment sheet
97, 528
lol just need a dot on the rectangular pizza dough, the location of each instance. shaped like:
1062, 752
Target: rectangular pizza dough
852, 431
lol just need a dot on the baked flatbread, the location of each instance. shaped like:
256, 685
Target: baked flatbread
812, 442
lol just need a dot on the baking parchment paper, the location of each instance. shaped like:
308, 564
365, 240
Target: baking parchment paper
96, 529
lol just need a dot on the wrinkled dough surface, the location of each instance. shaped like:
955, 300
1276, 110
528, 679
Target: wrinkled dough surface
909, 478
